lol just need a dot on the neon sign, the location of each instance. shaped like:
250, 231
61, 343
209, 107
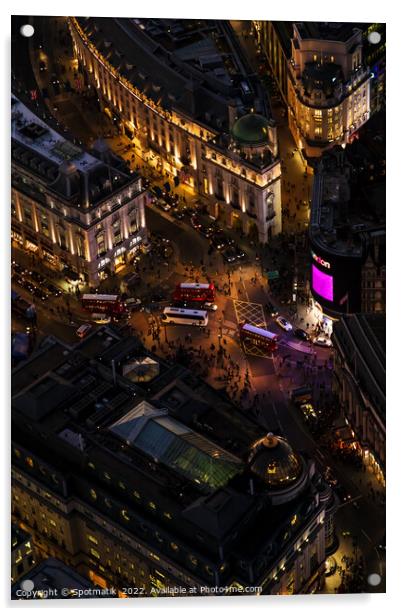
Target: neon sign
323, 284
320, 260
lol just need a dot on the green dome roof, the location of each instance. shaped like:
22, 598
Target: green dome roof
251, 129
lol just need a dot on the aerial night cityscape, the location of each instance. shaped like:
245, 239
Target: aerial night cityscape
197, 307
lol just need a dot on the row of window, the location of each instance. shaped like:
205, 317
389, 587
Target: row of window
152, 506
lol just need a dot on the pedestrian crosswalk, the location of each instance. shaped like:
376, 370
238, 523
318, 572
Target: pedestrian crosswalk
252, 313
249, 312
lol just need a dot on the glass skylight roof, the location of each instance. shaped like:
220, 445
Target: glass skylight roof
175, 445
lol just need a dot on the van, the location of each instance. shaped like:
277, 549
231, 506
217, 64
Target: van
83, 330
133, 303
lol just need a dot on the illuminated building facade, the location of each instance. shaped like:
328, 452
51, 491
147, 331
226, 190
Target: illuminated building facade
328, 80
193, 109
274, 40
22, 554
81, 211
102, 479
359, 368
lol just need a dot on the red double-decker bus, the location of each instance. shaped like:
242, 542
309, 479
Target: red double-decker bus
194, 292
259, 337
103, 304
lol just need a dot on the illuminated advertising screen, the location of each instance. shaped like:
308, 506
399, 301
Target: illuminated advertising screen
323, 284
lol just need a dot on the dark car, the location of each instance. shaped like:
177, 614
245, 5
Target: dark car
37, 277
40, 294
53, 290
171, 199
178, 214
270, 308
301, 334
157, 297
17, 267
195, 221
229, 255
220, 241
205, 231
240, 254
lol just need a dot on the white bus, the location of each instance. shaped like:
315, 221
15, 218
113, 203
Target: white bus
185, 316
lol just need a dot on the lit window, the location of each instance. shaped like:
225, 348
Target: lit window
108, 503
125, 515
107, 476
293, 520
52, 523
152, 505
193, 560
174, 546
121, 485
17, 453
137, 494
167, 515
95, 553
93, 494
92, 539
91, 465
29, 461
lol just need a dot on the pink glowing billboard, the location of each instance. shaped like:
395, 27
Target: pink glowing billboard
323, 284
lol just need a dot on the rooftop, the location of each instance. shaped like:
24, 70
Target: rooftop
50, 575
273, 459
348, 202
251, 130
30, 131
365, 334
171, 441
77, 176
327, 30
188, 65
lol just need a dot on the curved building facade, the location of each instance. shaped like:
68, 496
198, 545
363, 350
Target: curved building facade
347, 228
178, 96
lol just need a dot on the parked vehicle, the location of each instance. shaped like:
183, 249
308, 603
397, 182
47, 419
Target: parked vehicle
322, 341
270, 308
83, 330
229, 255
133, 303
195, 221
283, 323
300, 333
